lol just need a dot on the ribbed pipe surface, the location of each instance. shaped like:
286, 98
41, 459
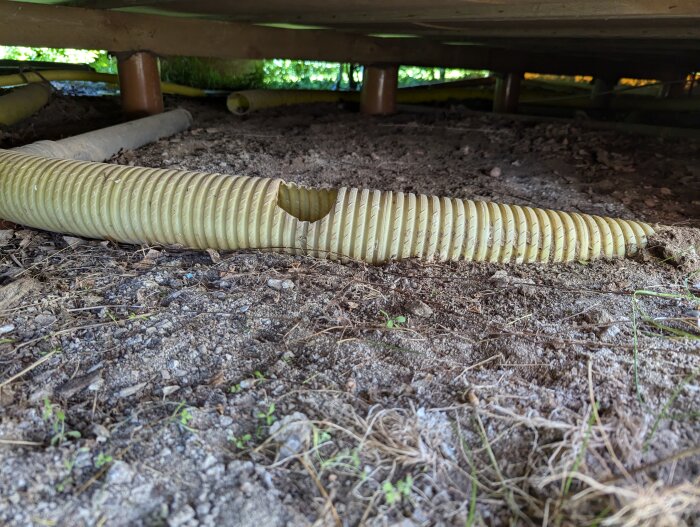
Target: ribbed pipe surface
200, 211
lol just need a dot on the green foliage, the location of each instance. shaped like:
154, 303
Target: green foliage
56, 417
182, 416
394, 493
213, 74
268, 416
222, 74
241, 442
103, 459
300, 74
99, 60
393, 322
303, 74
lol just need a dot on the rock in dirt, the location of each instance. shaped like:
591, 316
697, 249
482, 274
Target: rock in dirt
293, 433
73, 242
131, 390
120, 473
45, 320
605, 328
496, 172
6, 235
15, 291
279, 285
7, 328
77, 384
420, 309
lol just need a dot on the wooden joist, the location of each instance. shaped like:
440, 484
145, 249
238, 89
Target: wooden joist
56, 26
629, 12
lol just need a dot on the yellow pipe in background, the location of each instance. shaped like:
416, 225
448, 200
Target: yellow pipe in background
23, 102
201, 211
29, 77
245, 101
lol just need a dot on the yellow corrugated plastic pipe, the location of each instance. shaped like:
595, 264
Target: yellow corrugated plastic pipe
31, 77
23, 102
201, 211
242, 102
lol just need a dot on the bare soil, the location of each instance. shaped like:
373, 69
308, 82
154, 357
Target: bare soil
145, 386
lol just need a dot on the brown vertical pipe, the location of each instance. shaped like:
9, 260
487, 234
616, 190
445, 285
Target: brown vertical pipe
139, 83
379, 86
507, 93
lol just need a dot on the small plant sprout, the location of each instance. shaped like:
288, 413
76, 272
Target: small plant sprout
395, 493
52, 414
182, 416
393, 322
240, 442
103, 459
268, 416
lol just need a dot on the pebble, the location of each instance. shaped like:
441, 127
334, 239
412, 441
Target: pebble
72, 241
44, 320
420, 309
131, 390
120, 472
7, 328
279, 285
6, 235
292, 433
496, 172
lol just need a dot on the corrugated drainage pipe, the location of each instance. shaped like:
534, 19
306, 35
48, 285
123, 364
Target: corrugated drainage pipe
23, 102
200, 211
102, 144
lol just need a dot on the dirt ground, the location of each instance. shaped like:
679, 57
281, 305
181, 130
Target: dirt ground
144, 386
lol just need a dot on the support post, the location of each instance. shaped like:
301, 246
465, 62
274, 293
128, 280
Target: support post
602, 93
139, 83
507, 93
674, 87
379, 85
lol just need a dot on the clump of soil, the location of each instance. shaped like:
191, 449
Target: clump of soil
144, 385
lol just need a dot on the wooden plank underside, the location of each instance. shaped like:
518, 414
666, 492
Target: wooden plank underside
50, 26
387, 11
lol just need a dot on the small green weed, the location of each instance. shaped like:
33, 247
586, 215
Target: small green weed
103, 459
393, 322
240, 442
268, 416
182, 416
395, 493
56, 417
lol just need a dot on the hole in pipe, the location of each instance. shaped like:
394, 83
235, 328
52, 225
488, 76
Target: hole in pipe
306, 204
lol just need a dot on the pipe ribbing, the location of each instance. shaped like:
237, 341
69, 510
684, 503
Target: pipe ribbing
200, 211
23, 102
102, 144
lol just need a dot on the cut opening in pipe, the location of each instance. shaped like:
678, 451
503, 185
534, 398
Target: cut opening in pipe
306, 204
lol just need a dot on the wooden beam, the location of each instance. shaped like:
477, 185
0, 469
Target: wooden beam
370, 11
54, 26
642, 29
